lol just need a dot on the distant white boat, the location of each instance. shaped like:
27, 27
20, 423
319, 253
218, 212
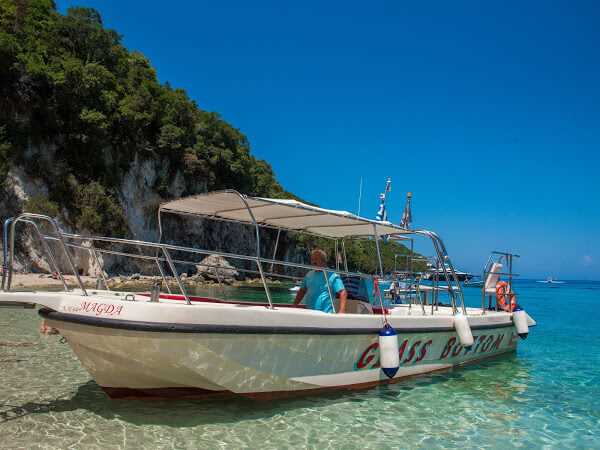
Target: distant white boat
550, 280
295, 288
441, 274
473, 283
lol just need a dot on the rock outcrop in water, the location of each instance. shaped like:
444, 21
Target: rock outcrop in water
217, 268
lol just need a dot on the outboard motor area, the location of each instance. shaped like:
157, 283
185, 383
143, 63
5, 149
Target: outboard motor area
389, 351
463, 329
519, 317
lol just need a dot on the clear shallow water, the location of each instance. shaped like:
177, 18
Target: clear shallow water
548, 395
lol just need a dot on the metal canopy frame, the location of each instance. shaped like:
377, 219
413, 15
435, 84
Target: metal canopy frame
456, 297
401, 234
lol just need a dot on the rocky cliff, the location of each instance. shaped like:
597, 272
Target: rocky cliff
90, 137
139, 203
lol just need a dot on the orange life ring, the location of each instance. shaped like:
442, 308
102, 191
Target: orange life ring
503, 290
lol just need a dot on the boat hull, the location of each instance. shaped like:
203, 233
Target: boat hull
128, 360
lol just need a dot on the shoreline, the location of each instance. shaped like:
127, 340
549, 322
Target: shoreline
42, 281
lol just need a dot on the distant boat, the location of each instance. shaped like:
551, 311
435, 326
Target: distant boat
441, 274
295, 288
473, 283
550, 280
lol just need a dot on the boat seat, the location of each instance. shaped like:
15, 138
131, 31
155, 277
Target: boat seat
492, 278
358, 288
355, 306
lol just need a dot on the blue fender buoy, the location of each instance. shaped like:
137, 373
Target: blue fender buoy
388, 351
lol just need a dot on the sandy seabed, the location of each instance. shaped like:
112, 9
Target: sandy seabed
37, 281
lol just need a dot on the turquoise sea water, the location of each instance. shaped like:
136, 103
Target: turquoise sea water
547, 395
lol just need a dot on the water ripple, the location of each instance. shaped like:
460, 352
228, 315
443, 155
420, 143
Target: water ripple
542, 397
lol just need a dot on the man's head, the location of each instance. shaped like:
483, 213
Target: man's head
318, 257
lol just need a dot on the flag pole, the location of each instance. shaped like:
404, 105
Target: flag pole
407, 214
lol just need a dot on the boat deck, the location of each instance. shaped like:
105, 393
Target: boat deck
95, 296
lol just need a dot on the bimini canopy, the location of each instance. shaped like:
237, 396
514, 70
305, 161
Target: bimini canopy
285, 214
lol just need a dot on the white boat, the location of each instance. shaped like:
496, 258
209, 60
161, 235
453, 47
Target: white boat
166, 344
441, 273
550, 280
473, 283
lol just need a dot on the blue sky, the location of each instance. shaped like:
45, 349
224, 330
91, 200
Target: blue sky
488, 113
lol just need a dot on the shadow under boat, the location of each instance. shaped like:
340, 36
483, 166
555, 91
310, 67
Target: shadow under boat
188, 413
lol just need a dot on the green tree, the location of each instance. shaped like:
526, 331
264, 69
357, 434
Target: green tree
40, 204
79, 108
98, 211
4, 163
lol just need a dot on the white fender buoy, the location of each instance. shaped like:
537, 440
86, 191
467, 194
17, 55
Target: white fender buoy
388, 351
461, 324
519, 318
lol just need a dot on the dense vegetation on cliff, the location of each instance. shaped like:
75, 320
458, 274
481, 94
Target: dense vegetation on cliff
77, 109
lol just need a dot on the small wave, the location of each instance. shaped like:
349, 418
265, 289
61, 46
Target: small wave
17, 344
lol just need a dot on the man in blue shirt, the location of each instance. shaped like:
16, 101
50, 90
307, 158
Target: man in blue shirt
314, 288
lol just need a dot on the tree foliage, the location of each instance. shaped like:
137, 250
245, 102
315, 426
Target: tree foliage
4, 165
78, 108
39, 204
361, 254
97, 210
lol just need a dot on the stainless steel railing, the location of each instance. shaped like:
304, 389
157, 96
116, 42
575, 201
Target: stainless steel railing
496, 256
163, 255
65, 240
9, 233
449, 273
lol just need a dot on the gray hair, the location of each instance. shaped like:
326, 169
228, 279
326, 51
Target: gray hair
321, 253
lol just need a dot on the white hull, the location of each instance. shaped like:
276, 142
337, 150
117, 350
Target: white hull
257, 364
138, 348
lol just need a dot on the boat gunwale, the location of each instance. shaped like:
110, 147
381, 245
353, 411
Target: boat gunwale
196, 328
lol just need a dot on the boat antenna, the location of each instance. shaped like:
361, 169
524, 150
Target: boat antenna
359, 196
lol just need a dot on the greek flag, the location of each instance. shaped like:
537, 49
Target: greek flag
382, 213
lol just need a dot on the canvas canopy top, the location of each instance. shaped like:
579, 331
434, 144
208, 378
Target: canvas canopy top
277, 213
